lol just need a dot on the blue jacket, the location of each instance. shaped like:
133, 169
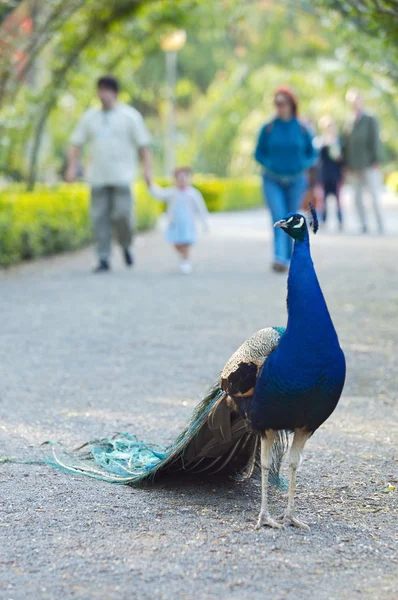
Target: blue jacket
285, 149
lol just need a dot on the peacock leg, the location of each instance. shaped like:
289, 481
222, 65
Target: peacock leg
264, 518
288, 518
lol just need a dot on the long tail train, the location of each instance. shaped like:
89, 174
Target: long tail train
216, 441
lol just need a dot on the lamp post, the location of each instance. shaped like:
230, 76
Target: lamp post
171, 44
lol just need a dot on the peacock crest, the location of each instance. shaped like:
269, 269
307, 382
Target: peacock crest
312, 218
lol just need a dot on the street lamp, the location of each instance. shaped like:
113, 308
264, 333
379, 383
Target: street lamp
171, 44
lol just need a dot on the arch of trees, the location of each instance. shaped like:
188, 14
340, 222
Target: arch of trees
52, 51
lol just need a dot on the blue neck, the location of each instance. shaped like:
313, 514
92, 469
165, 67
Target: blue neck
308, 315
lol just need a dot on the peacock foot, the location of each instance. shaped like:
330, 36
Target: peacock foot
288, 519
264, 518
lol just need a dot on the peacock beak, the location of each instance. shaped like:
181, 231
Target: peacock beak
282, 223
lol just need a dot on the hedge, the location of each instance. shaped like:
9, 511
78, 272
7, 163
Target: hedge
51, 220
57, 219
392, 182
243, 194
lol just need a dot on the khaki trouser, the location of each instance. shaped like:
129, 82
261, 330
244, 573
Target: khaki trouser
111, 205
369, 179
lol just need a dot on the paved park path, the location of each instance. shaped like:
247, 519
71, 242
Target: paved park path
84, 356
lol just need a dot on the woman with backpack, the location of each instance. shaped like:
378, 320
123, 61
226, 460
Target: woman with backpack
286, 153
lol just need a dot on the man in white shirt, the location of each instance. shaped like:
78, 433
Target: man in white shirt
118, 140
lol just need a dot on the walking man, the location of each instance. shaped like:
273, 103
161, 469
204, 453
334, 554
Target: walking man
118, 140
362, 157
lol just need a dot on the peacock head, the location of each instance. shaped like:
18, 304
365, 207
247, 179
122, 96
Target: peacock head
295, 224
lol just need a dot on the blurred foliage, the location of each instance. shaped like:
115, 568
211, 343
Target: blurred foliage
378, 21
53, 47
284, 43
51, 220
392, 182
42, 223
243, 194
230, 194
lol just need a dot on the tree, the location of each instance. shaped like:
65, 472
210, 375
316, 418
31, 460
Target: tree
372, 16
63, 30
378, 21
292, 43
7, 7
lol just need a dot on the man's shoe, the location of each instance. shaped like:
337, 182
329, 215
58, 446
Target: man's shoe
103, 266
128, 257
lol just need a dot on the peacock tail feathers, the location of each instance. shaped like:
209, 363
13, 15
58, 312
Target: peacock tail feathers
126, 460
217, 440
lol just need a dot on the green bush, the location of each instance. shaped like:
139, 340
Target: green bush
213, 191
242, 194
392, 182
51, 220
230, 194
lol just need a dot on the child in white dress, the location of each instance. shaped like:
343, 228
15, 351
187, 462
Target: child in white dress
184, 204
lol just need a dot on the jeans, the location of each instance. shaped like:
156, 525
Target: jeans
283, 198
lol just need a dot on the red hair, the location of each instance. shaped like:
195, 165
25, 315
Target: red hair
289, 94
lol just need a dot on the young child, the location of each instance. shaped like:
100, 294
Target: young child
331, 167
184, 204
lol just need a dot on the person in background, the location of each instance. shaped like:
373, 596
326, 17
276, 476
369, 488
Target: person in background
118, 138
330, 167
285, 152
362, 155
184, 204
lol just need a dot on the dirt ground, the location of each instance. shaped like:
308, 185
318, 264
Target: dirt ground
84, 356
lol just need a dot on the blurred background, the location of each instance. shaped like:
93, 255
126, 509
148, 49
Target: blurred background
201, 72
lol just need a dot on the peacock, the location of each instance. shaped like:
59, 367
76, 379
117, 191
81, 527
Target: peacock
280, 381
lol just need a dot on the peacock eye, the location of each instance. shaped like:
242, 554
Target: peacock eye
298, 222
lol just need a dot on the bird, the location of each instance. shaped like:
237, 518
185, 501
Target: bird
281, 382
301, 382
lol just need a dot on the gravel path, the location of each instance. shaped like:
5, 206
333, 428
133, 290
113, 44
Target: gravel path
84, 356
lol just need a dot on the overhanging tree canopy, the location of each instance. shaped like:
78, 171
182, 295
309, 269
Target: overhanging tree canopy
233, 46
378, 21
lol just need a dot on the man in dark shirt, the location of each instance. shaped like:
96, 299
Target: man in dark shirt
362, 157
